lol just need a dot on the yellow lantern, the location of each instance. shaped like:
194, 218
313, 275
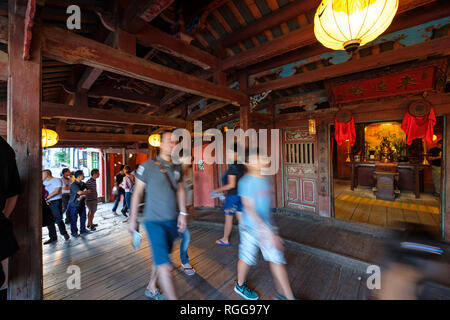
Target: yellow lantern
49, 138
312, 126
348, 24
154, 140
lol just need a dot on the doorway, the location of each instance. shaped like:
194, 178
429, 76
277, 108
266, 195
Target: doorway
362, 205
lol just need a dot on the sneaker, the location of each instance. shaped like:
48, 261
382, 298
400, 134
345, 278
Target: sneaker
245, 292
115, 213
50, 241
66, 236
85, 232
157, 295
281, 297
92, 228
125, 214
75, 235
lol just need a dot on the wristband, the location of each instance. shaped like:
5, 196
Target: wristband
184, 213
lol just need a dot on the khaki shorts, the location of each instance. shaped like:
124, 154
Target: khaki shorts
91, 205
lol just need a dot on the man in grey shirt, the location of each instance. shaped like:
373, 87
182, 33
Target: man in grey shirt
165, 213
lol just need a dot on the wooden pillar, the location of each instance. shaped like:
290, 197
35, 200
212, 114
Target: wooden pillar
445, 192
245, 109
24, 135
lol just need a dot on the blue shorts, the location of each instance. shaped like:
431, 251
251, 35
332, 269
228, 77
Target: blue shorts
162, 235
232, 205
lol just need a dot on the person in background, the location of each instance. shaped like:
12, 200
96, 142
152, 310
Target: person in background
66, 182
258, 232
54, 187
127, 185
77, 205
92, 198
48, 219
436, 159
9, 193
232, 201
120, 193
165, 213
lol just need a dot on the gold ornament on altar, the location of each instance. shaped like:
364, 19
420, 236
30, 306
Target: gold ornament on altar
385, 150
348, 24
49, 138
154, 140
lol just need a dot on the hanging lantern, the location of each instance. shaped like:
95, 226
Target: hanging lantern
49, 138
348, 24
154, 140
312, 126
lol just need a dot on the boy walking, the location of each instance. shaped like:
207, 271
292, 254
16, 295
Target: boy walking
258, 232
92, 198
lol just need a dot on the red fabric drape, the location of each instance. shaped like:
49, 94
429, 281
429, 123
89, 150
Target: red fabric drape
419, 127
344, 131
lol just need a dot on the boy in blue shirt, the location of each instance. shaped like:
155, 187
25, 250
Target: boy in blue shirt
257, 230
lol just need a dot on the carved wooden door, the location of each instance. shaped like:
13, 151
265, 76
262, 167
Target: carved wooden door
300, 162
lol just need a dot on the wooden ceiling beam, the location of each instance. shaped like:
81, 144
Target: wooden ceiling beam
74, 49
105, 92
440, 46
83, 137
273, 19
154, 37
422, 11
206, 110
140, 12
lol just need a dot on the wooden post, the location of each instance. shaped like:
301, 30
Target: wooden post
24, 135
446, 181
245, 109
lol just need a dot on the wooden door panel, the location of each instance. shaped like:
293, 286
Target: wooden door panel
300, 169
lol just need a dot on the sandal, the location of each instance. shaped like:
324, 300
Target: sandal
221, 243
188, 271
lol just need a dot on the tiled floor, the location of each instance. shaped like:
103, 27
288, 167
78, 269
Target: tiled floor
361, 205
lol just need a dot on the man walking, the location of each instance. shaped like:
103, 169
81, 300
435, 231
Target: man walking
54, 187
163, 218
77, 205
92, 198
120, 193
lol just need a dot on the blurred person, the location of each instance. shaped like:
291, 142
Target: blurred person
232, 203
66, 182
77, 204
9, 193
54, 200
120, 193
127, 185
257, 231
92, 198
413, 257
436, 159
165, 213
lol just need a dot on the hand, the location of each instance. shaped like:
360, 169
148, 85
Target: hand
48, 202
132, 225
182, 223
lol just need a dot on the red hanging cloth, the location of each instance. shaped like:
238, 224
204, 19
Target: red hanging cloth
419, 127
344, 131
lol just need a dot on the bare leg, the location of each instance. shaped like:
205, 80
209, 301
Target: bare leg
152, 283
165, 280
242, 271
281, 280
90, 218
227, 228
5, 270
